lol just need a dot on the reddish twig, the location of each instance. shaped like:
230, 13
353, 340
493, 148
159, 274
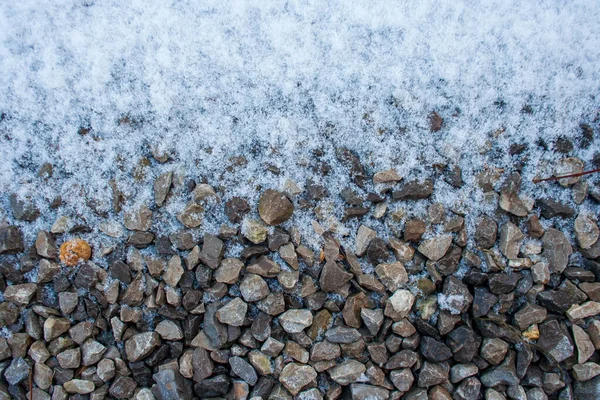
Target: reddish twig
555, 178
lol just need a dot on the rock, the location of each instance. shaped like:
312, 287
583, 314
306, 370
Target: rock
413, 230
174, 271
436, 247
11, 240
557, 250
212, 251
74, 251
296, 376
568, 166
91, 352
361, 391
295, 321
347, 372
288, 254
540, 272
585, 347
243, 369
585, 310
140, 240
333, 277
274, 207
432, 374
236, 208
503, 283
169, 330
387, 176
458, 372
586, 371
233, 313
586, 230
254, 288
254, 231
363, 239
141, 345
171, 385
414, 190
587, 390
139, 219
435, 122
45, 245
402, 379
20, 294
515, 205
393, 275
493, 350
401, 302
555, 341
162, 185
580, 192
202, 192
192, 215
434, 350
79, 386
342, 334
17, 371
373, 319
23, 209
122, 388
54, 327
202, 365
229, 271
42, 376
456, 297
106, 369
511, 238
486, 232
550, 208
530, 314
448, 264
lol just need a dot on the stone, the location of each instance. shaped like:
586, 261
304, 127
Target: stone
212, 251
202, 365
106, 369
555, 341
587, 390
236, 208
361, 391
342, 334
296, 376
550, 208
233, 313
585, 347
243, 369
261, 362
91, 352
373, 319
493, 350
364, 236
511, 238
585, 310
139, 219
11, 240
54, 327
436, 247
568, 166
347, 372
432, 374
79, 386
48, 271
456, 297
540, 272
403, 251
17, 371
174, 271
171, 385
23, 209
530, 314
254, 288
458, 372
202, 192
42, 376
74, 251
274, 207
401, 302
69, 358
393, 275
122, 387
81, 331
486, 232
333, 277
434, 350
402, 379
414, 190
169, 330
413, 230
20, 294
192, 215
45, 245
254, 231
586, 231
140, 346
586, 371
229, 271
295, 321
162, 185
288, 254
503, 283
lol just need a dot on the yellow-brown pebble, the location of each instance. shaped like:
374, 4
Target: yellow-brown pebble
531, 333
72, 251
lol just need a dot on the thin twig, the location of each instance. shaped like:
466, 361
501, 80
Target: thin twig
555, 178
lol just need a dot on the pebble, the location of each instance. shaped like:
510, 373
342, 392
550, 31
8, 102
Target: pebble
511, 238
192, 215
233, 313
274, 207
347, 372
162, 186
387, 176
414, 190
295, 321
139, 219
401, 302
363, 239
79, 386
586, 231
435, 248
254, 231
557, 250
141, 345
296, 376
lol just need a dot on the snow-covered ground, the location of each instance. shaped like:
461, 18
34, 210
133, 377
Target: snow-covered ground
276, 82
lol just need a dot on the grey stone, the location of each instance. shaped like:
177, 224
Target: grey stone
202, 365
342, 334
493, 350
586, 371
432, 374
555, 341
139, 219
45, 245
550, 208
233, 313
192, 215
402, 379
169, 330
79, 386
530, 314
557, 250
296, 376
23, 209
212, 251
141, 345
20, 294
333, 277
11, 240
17, 371
414, 190
586, 231
361, 391
363, 239
122, 387
511, 238
296, 320
347, 372
243, 369
162, 185
486, 232
254, 288
171, 385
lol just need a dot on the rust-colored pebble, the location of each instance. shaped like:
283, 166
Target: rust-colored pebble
72, 251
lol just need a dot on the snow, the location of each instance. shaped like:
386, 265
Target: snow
275, 82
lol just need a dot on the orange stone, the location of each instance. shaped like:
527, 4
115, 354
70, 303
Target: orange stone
72, 251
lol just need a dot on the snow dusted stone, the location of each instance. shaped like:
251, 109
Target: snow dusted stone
11, 240
586, 230
393, 275
511, 238
20, 294
139, 219
390, 175
202, 192
436, 247
363, 239
568, 166
254, 288
162, 185
192, 215
274, 207
45, 245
